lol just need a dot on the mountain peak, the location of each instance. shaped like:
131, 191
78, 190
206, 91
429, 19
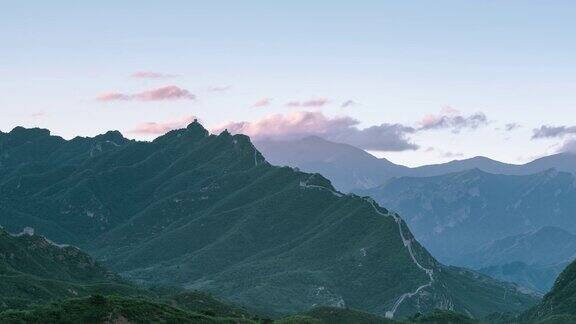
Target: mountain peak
29, 132
225, 133
196, 129
112, 136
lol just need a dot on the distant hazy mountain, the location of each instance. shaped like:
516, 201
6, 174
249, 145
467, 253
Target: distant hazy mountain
457, 214
537, 277
545, 246
208, 212
565, 162
479, 162
351, 168
347, 167
533, 259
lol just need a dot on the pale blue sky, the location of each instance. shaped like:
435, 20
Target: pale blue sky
515, 61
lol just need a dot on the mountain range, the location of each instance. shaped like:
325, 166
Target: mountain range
477, 212
209, 212
351, 168
483, 220
533, 259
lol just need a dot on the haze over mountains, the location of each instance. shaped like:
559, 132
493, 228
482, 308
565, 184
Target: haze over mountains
209, 212
460, 216
351, 168
533, 259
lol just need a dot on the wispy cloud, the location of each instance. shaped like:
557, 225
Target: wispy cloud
151, 75
263, 102
384, 137
113, 96
317, 102
159, 128
220, 88
451, 155
553, 131
165, 93
452, 119
38, 114
511, 126
159, 94
349, 103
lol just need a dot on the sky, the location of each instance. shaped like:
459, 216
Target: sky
417, 82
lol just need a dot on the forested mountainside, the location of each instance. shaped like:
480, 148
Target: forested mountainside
35, 270
208, 212
47, 283
559, 305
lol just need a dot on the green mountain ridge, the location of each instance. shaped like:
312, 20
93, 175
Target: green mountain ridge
35, 270
77, 273
209, 213
560, 303
45, 260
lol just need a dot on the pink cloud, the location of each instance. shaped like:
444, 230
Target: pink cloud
113, 96
264, 102
295, 125
39, 114
159, 128
165, 93
319, 102
160, 94
150, 75
286, 126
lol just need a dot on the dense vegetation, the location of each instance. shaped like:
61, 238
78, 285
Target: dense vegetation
112, 309
34, 270
560, 303
116, 309
209, 213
